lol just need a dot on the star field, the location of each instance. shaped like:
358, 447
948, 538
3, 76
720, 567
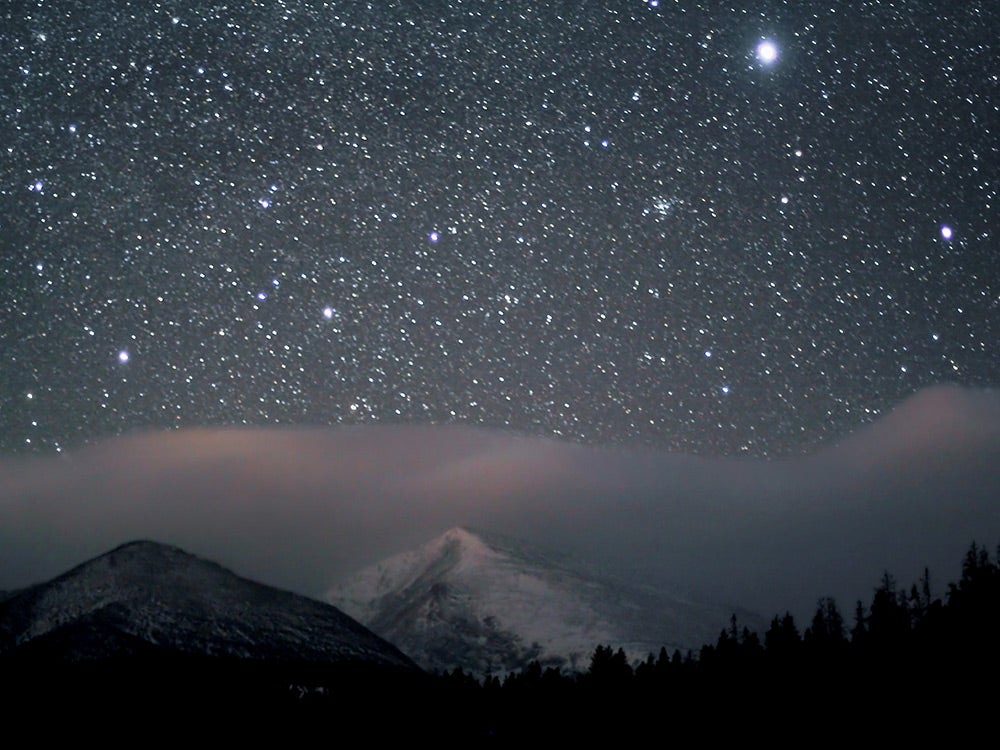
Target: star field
716, 230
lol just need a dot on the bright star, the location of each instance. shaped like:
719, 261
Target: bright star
946, 232
767, 52
123, 356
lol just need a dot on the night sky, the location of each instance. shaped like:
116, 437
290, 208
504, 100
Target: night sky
706, 229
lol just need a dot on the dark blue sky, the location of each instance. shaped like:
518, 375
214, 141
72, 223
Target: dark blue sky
611, 222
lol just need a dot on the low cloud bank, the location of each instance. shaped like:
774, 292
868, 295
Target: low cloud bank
300, 508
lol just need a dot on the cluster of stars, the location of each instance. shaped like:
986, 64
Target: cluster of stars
602, 225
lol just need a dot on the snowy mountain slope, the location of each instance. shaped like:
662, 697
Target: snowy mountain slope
145, 597
490, 604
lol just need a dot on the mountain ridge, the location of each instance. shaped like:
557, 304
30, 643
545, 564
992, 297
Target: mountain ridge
157, 597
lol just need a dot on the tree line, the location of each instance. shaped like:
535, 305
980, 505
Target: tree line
907, 655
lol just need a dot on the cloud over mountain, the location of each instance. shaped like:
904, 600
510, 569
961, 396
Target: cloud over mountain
301, 508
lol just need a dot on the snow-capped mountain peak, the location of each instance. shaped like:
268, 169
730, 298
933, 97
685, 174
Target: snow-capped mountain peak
490, 604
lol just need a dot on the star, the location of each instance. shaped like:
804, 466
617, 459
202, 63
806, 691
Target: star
767, 51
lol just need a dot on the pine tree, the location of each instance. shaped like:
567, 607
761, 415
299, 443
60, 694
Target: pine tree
782, 640
889, 622
859, 633
825, 640
609, 668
